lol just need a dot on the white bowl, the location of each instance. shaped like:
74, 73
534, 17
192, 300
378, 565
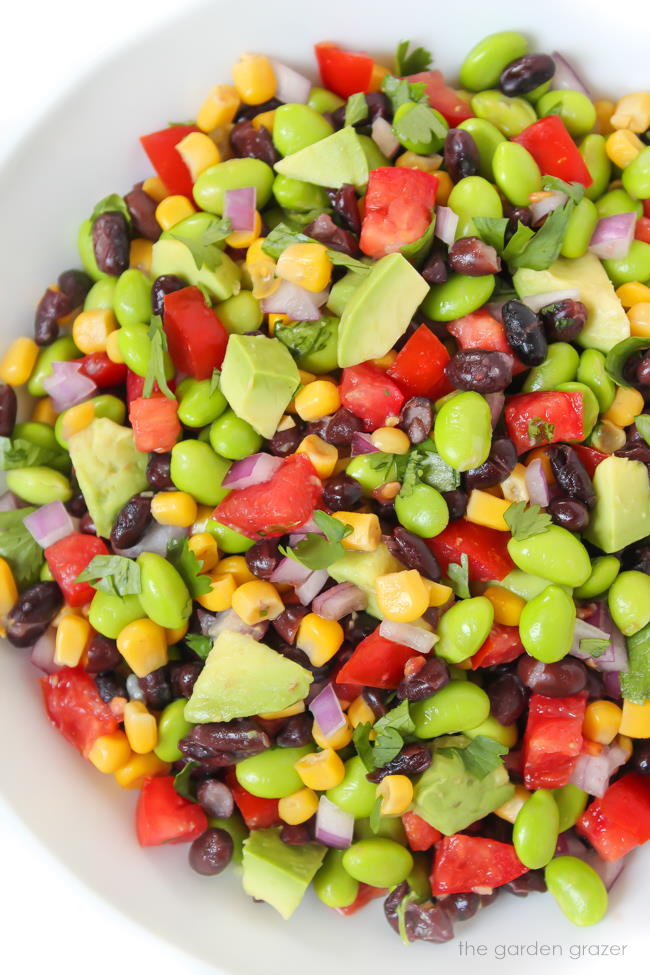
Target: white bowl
87, 147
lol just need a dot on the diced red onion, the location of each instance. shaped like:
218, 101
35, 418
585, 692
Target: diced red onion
49, 524
544, 298
334, 826
568, 844
591, 773
547, 204
496, 402
254, 469
495, 308
134, 688
8, 501
155, 539
446, 224
613, 236
616, 756
615, 656
296, 537
608, 870
296, 302
291, 87
362, 444
212, 624
291, 572
312, 586
326, 709
239, 207
537, 484
408, 635
67, 385
612, 684
383, 136
566, 77
582, 630
43, 652
340, 601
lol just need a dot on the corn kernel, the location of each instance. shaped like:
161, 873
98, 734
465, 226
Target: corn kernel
254, 252
255, 602
177, 634
205, 548
140, 727
236, 566
198, 152
445, 186
604, 111
289, 712
222, 589
138, 768
66, 610
385, 361
141, 254
219, 107
275, 318
633, 112
323, 455
44, 412
263, 280
507, 605
340, 739
514, 488
298, 807
511, 809
632, 292
91, 329
390, 440
628, 404
110, 752
625, 742
317, 399
639, 315
319, 638
174, 508
264, 120
321, 770
19, 361
155, 188
402, 596
306, 265
172, 210
77, 418
366, 531
396, 794
602, 722
426, 164
254, 79
72, 636
485, 509
635, 719
622, 147
360, 712
113, 350
244, 238
438, 593
8, 592
143, 646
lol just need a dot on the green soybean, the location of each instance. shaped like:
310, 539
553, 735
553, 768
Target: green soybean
618, 201
165, 598
297, 126
271, 774
555, 554
378, 862
172, 726
135, 347
61, 350
580, 229
233, 174
369, 470
491, 728
38, 433
536, 829
578, 890
333, 885
234, 438
592, 150
524, 584
589, 404
109, 614
422, 511
592, 372
604, 570
487, 137
571, 802
132, 297
487, 59
516, 173
509, 115
196, 468
456, 707
458, 296
103, 406
197, 405
635, 266
39, 485
464, 628
431, 144
574, 108
240, 314
87, 251
472, 197
389, 826
419, 877
546, 625
101, 295
463, 431
355, 794
636, 176
193, 227
629, 601
230, 541
45, 575
236, 829
322, 100
293, 194
559, 366
534, 96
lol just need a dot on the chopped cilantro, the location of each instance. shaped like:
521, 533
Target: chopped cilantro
113, 574
156, 364
411, 62
188, 567
317, 552
113, 203
458, 577
19, 548
399, 91
215, 379
594, 646
524, 522
575, 191
183, 781
642, 424
283, 236
421, 124
375, 814
635, 681
482, 755
541, 430
201, 645
543, 249
203, 248
23, 453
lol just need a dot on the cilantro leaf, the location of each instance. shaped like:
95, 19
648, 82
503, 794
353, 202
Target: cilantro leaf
356, 109
458, 577
541, 430
398, 718
390, 732
635, 681
411, 62
361, 741
113, 203
156, 364
399, 91
19, 548
23, 453
317, 552
203, 247
482, 755
307, 338
188, 566
518, 242
492, 231
421, 124
375, 814
642, 424
339, 259
594, 646
388, 745
113, 574
544, 247
433, 470
282, 236
201, 645
406, 901
391, 466
524, 522
575, 191
183, 783
173, 125
215, 379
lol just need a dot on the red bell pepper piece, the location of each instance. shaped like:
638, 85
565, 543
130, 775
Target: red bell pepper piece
258, 813
155, 423
486, 550
398, 207
480, 330
419, 369
620, 820
196, 337
162, 816
343, 72
535, 419
376, 662
419, 834
549, 143
367, 392
69, 557
167, 160
589, 457
553, 739
464, 863
444, 99
365, 895
103, 372
502, 646
642, 230
75, 708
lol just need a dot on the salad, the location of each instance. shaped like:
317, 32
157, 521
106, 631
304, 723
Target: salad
328, 528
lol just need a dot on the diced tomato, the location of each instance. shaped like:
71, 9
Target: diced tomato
162, 816
258, 813
419, 834
276, 506
376, 662
367, 392
75, 708
419, 369
549, 143
553, 739
167, 160
444, 99
590, 457
398, 208
642, 230
534, 419
365, 895
480, 330
103, 372
196, 337
155, 423
464, 863
502, 646
343, 72
486, 550
620, 820
67, 558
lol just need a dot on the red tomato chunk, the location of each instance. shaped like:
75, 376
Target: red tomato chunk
486, 550
196, 337
68, 558
502, 646
419, 369
258, 813
75, 708
398, 208
620, 820
376, 662
553, 739
419, 834
155, 423
343, 72
102, 370
162, 816
367, 392
167, 160
549, 143
444, 99
467, 863
535, 419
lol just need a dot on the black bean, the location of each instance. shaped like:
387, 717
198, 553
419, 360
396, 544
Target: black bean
102, 654
643, 371
247, 112
324, 230
416, 418
456, 501
595, 686
76, 505
412, 760
376, 700
341, 492
560, 679
109, 685
570, 514
286, 442
183, 678
249, 142
52, 306
571, 475
530, 882
641, 759
480, 370
524, 332
299, 835
341, 428
427, 922
156, 689
211, 852
435, 269
142, 208
263, 557
8, 409
433, 675
75, 284
526, 73
296, 732
507, 698
288, 622
223, 743
517, 215
346, 206
392, 903
32, 613
460, 907
637, 557
563, 320
166, 284
414, 552
499, 465
87, 525
461, 155
159, 471
473, 257
132, 522
111, 243
215, 798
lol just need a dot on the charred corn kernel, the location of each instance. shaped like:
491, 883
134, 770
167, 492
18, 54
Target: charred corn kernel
155, 188
402, 596
316, 400
604, 111
627, 404
263, 280
366, 531
19, 361
635, 719
173, 209
237, 566
143, 646
254, 79
44, 411
198, 152
340, 739
138, 768
427, 164
623, 146
222, 589
174, 508
632, 292
639, 315
140, 727
140, 254
8, 591
633, 112
298, 807
306, 265
438, 594
113, 347
110, 752
485, 509
173, 636
510, 809
323, 455
319, 638
264, 120
257, 601
219, 107
385, 361
507, 605
445, 186
290, 712
514, 488
390, 440
77, 418
396, 794
602, 722
205, 548
321, 770
91, 329
275, 319
360, 712
72, 636
625, 742
244, 238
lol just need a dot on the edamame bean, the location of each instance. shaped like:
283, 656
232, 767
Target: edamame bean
422, 511
578, 890
369, 470
240, 314
556, 554
62, 350
571, 802
592, 372
589, 404
333, 885
293, 194
464, 628
271, 774
297, 126
559, 366
592, 150
546, 625
510, 115
473, 197
197, 405
135, 347
419, 877
102, 294
38, 433
487, 137
507, 734
524, 584
234, 438
103, 406
629, 601
39, 485
378, 862
536, 829
618, 201
87, 252
574, 108
487, 59
516, 173
109, 614
196, 468
603, 572
236, 829
172, 726
456, 707
635, 266
580, 229
458, 296
193, 227
390, 827
354, 794
232, 174
165, 598
424, 147
463, 430
132, 297
636, 176
229, 541
322, 100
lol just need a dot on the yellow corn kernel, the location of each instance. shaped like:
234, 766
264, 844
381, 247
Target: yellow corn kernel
254, 253
72, 636
390, 440
622, 147
19, 361
174, 508
236, 566
402, 596
198, 152
298, 807
427, 164
257, 601
143, 646
635, 719
263, 280
264, 120
219, 108
110, 752
511, 809
317, 399
514, 488
445, 186
366, 531
485, 509
66, 610
177, 634
604, 111
385, 361
323, 455
222, 589
633, 112
625, 742
602, 722
155, 188
8, 591
396, 794
205, 548
507, 605
138, 768
44, 412
632, 292
639, 315
172, 210
140, 727
254, 79
627, 404
113, 347
290, 712
244, 238
306, 265
77, 418
275, 319
360, 712
319, 638
438, 594
379, 72
340, 739
321, 770
140, 254
91, 329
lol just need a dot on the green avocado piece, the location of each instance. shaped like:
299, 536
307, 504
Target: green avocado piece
174, 257
607, 323
242, 677
109, 470
343, 290
621, 514
333, 161
380, 309
278, 873
363, 569
258, 378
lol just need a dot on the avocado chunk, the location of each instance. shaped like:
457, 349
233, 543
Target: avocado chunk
333, 161
380, 309
343, 290
607, 323
363, 569
109, 470
621, 514
278, 873
242, 677
450, 798
258, 378
174, 257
